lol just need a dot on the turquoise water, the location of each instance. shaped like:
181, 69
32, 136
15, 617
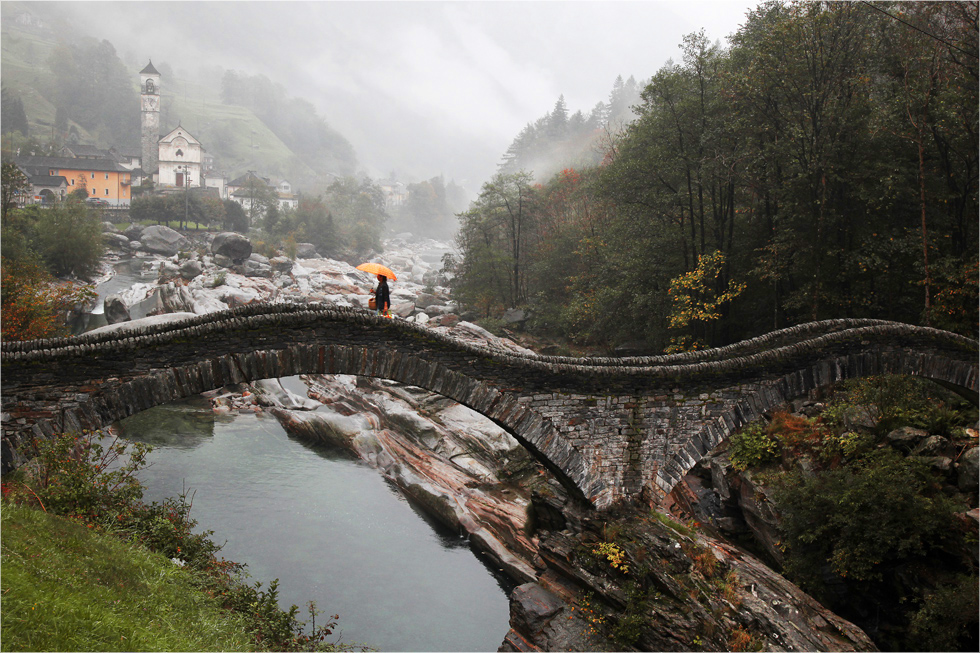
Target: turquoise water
329, 527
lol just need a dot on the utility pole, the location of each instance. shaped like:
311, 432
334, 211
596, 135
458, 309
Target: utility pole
187, 184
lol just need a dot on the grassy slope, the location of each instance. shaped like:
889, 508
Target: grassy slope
227, 132
66, 588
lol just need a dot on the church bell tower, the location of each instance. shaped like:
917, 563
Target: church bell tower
149, 118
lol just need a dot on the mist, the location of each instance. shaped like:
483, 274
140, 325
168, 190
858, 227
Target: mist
420, 89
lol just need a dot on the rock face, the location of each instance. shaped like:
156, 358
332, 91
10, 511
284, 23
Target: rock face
115, 310
697, 592
233, 245
163, 240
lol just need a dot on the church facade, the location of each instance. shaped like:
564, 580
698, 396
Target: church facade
174, 160
180, 156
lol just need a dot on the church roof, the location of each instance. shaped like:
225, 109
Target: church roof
182, 132
149, 70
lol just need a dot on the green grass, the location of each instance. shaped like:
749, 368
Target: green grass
67, 588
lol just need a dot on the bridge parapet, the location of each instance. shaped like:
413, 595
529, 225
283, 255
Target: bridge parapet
610, 428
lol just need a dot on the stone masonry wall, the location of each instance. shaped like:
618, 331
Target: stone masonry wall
610, 429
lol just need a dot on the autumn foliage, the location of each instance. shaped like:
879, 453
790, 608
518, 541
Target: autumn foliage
32, 304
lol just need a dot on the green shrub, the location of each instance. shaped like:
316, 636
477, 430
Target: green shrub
897, 400
947, 620
90, 476
753, 446
826, 517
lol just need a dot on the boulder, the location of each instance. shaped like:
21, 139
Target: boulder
109, 228
223, 261
258, 258
133, 231
115, 310
967, 473
425, 300
232, 245
163, 240
115, 241
191, 269
934, 445
306, 250
281, 264
905, 439
403, 310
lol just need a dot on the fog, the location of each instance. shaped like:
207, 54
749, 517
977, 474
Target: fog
418, 88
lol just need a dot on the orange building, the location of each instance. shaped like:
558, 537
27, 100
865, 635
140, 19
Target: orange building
101, 178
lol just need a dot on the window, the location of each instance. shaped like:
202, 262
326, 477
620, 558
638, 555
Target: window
93, 175
106, 191
107, 175
72, 182
93, 192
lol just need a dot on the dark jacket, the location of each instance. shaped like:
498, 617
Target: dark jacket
381, 296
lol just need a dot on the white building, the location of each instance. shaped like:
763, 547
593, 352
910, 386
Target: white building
180, 160
218, 182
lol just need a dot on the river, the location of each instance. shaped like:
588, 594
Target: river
328, 526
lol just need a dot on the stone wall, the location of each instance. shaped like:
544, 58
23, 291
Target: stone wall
610, 429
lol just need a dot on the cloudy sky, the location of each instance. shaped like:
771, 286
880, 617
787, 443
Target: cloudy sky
420, 88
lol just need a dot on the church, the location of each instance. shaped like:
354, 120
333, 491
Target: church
175, 159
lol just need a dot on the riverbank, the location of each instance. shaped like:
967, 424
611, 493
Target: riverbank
87, 565
69, 588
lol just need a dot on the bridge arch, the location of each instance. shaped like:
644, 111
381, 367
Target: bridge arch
117, 399
761, 397
611, 429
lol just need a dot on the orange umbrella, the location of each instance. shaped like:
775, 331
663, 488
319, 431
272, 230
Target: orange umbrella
376, 268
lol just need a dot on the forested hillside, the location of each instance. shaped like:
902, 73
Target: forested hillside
75, 86
825, 165
557, 140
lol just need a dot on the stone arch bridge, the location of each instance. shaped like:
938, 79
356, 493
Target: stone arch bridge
611, 429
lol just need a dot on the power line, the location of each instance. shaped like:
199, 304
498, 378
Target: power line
918, 29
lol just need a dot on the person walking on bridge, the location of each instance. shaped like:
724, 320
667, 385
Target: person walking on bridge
382, 297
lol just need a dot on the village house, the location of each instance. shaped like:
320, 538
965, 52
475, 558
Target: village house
247, 187
102, 179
